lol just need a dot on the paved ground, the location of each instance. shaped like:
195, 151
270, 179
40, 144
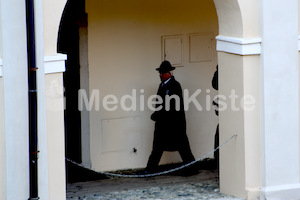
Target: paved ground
204, 185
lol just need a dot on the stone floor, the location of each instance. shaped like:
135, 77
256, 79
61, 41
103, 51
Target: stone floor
204, 185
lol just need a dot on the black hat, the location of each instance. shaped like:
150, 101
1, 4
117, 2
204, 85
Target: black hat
165, 67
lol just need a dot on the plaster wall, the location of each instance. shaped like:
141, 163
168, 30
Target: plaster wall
124, 49
15, 96
230, 19
2, 150
1, 43
52, 11
280, 75
238, 18
250, 15
239, 87
55, 135
299, 100
232, 156
239, 63
280, 68
252, 125
2, 144
299, 66
298, 16
42, 126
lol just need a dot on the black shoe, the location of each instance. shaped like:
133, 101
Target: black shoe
190, 172
144, 172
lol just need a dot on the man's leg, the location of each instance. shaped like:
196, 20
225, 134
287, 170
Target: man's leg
216, 154
154, 159
187, 157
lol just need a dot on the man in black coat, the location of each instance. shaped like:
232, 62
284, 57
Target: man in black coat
169, 117
215, 85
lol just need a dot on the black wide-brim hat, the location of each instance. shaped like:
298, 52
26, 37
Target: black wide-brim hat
165, 67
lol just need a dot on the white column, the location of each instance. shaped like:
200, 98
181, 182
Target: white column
238, 60
279, 79
15, 98
43, 180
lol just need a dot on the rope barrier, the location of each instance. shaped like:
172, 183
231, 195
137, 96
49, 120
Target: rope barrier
153, 174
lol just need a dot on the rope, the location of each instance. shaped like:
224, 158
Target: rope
154, 174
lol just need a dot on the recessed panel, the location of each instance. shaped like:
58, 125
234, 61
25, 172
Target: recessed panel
201, 47
172, 49
120, 134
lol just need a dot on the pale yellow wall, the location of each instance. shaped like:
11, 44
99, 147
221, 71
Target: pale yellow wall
238, 18
229, 16
252, 126
240, 158
232, 156
52, 15
124, 50
250, 16
55, 138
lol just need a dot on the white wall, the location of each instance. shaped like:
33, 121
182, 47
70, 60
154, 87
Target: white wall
2, 145
124, 50
1, 47
280, 97
15, 100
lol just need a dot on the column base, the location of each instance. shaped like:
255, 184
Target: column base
253, 193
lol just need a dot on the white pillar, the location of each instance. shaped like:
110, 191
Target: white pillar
15, 99
43, 174
279, 79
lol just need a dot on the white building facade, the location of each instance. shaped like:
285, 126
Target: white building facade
255, 43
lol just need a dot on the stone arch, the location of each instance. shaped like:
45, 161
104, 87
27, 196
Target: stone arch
230, 18
239, 49
52, 12
237, 18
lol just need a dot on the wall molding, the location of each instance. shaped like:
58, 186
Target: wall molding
55, 64
290, 191
52, 64
239, 46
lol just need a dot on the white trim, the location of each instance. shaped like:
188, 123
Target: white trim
55, 64
240, 46
282, 187
291, 191
52, 64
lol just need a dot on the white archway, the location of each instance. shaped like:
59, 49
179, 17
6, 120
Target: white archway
243, 162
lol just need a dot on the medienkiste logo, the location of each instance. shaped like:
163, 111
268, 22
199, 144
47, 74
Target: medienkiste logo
137, 100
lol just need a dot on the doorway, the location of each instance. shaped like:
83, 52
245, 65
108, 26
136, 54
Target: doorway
125, 44
72, 41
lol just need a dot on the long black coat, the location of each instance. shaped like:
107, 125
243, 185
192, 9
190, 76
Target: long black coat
170, 125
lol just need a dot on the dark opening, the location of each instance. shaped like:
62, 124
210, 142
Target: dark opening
68, 43
73, 18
